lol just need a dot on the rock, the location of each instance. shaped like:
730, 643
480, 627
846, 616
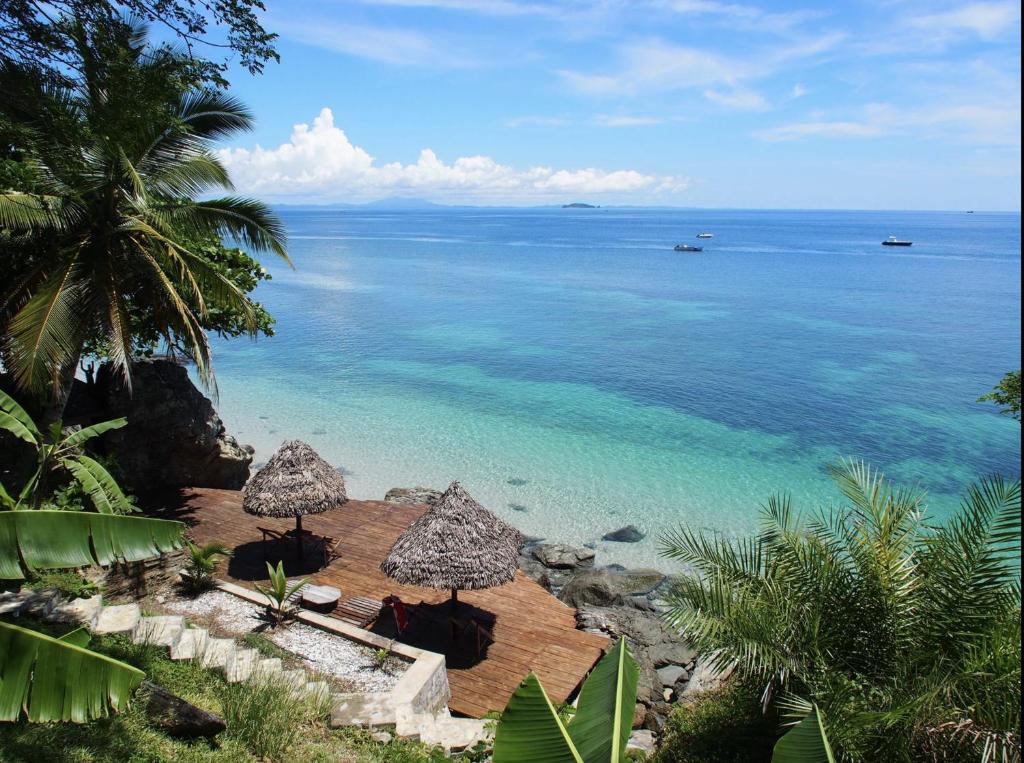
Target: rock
422, 495
642, 740
591, 587
178, 717
666, 694
383, 737
705, 677
654, 645
656, 716
671, 653
639, 714
559, 556
627, 534
670, 674
174, 437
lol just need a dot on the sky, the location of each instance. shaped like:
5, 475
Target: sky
881, 104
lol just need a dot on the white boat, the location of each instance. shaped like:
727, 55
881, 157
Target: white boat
893, 241
705, 235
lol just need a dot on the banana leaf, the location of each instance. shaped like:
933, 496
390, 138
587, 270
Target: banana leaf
530, 730
65, 539
15, 420
601, 727
87, 433
50, 679
102, 489
806, 742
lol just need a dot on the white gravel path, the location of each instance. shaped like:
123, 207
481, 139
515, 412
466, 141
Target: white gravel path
326, 653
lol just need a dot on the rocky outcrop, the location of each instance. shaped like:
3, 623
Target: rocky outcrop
558, 556
610, 587
174, 437
412, 495
655, 646
627, 534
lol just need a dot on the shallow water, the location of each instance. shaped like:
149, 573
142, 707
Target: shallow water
578, 375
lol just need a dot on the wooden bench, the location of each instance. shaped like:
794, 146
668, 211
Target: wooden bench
360, 611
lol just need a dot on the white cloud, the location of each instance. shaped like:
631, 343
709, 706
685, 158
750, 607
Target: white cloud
537, 120
739, 99
626, 120
654, 65
798, 91
748, 17
401, 47
979, 123
798, 130
988, 21
320, 162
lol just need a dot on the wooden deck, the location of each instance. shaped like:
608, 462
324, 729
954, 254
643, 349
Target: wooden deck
532, 629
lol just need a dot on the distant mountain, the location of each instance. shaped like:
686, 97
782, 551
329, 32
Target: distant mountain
394, 202
580, 205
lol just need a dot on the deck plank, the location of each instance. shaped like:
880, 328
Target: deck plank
533, 631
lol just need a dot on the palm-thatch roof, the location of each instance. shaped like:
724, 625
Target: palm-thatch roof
295, 482
456, 544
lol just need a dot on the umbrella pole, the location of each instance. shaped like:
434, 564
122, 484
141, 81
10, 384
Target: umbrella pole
455, 600
298, 535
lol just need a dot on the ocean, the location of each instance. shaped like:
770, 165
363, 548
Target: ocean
576, 374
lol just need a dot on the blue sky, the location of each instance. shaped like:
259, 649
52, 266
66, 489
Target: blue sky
887, 104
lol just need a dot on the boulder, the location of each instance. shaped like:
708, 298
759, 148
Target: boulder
178, 717
591, 587
671, 674
639, 714
174, 437
423, 495
627, 534
705, 677
676, 652
559, 556
643, 741
610, 586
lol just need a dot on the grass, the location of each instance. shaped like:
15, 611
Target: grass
266, 647
723, 726
263, 724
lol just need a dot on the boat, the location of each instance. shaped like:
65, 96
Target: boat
688, 248
893, 241
705, 235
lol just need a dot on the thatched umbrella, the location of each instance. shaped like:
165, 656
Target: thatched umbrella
295, 482
456, 545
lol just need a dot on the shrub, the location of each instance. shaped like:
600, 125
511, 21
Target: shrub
721, 726
68, 582
267, 716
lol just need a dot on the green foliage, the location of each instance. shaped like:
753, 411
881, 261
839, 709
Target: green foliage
202, 561
107, 248
43, 37
1006, 394
266, 647
530, 729
58, 454
68, 582
268, 718
892, 628
726, 725
279, 591
57, 679
807, 741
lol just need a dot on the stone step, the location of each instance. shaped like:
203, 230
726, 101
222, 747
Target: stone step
190, 644
241, 664
160, 630
294, 679
363, 710
120, 618
318, 690
216, 652
454, 734
84, 611
268, 667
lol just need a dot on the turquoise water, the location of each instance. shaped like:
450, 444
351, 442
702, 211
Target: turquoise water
578, 375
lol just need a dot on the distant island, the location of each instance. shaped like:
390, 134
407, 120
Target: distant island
580, 205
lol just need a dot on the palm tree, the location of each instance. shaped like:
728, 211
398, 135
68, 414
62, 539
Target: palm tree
900, 637
119, 160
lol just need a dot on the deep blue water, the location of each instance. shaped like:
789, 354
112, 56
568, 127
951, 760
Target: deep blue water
626, 382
